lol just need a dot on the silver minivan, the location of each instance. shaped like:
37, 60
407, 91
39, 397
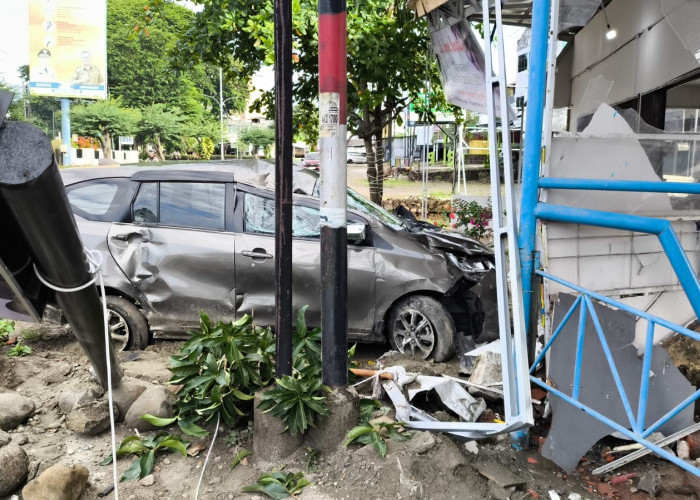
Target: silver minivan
178, 240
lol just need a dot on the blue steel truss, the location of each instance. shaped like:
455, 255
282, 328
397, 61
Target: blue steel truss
634, 428
532, 210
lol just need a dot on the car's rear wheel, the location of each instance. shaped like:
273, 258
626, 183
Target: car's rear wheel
127, 326
420, 326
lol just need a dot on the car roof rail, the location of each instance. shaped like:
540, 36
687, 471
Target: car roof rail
183, 175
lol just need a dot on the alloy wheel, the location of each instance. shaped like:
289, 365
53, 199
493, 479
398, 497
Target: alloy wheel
118, 330
413, 334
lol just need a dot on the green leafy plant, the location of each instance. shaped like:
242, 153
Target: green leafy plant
19, 350
278, 485
311, 456
219, 369
145, 449
237, 437
376, 435
472, 216
296, 402
7, 327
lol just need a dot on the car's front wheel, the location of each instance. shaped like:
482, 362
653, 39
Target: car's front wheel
420, 326
127, 326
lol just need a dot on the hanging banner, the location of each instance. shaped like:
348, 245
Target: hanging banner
68, 48
462, 66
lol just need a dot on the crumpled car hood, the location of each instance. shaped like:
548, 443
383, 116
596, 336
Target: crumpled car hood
436, 239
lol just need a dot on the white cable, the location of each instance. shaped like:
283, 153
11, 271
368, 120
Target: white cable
94, 259
115, 474
206, 460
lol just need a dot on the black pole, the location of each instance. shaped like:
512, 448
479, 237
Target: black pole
283, 185
32, 189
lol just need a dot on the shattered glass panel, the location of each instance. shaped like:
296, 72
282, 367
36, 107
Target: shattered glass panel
683, 17
306, 222
609, 150
575, 13
259, 214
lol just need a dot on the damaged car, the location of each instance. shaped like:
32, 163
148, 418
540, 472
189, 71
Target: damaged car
179, 240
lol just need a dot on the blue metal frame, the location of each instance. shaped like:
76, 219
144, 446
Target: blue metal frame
634, 429
531, 210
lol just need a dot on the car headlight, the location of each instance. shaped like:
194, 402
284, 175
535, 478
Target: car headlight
469, 264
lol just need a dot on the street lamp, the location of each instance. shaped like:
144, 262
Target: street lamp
221, 101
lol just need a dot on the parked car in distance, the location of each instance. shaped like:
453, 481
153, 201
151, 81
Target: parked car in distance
357, 156
311, 160
178, 240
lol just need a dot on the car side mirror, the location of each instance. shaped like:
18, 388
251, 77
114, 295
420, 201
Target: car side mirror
357, 233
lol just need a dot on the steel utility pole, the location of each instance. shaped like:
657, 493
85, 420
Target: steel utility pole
332, 78
283, 185
221, 110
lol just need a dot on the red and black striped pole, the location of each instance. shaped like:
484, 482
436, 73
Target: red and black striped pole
332, 82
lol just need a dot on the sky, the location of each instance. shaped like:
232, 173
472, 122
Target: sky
14, 43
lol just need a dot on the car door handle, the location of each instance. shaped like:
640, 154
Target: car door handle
125, 237
257, 255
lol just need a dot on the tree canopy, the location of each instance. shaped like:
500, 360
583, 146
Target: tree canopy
104, 120
389, 61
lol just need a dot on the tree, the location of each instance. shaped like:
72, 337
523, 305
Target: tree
162, 127
258, 137
388, 59
140, 66
103, 120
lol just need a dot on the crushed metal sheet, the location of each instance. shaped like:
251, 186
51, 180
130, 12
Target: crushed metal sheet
667, 386
451, 394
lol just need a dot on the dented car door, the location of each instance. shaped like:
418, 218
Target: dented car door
177, 252
255, 265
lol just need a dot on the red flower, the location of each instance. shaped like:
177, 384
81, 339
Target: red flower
453, 216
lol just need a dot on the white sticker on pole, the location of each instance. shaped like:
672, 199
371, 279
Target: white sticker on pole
329, 114
333, 217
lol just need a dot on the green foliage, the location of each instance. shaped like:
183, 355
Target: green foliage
161, 126
376, 435
237, 437
19, 350
472, 216
367, 409
7, 327
278, 485
220, 368
103, 120
258, 137
295, 401
206, 148
145, 449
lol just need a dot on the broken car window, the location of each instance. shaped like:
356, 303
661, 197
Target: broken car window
146, 204
260, 218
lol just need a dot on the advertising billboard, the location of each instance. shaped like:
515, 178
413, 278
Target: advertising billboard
462, 66
68, 48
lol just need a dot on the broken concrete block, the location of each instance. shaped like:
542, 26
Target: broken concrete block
271, 441
57, 483
487, 372
499, 475
330, 431
472, 447
683, 450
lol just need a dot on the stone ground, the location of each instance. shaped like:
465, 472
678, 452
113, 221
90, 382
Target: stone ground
429, 466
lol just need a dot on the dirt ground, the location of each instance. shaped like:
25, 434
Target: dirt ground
430, 466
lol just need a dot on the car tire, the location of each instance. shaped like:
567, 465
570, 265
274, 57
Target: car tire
128, 327
433, 339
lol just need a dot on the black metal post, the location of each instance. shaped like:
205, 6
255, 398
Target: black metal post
283, 185
32, 188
